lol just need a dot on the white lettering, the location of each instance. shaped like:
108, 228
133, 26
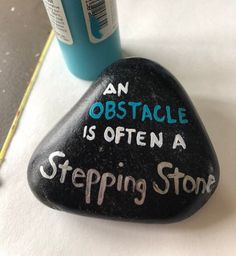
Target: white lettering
140, 137
160, 168
155, 140
109, 134
78, 174
110, 89
189, 179
169, 178
91, 135
104, 185
119, 133
64, 168
179, 141
53, 165
93, 177
123, 88
176, 176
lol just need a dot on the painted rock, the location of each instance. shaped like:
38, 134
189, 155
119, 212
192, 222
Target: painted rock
133, 148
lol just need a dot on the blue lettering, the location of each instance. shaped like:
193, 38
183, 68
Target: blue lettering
156, 117
93, 113
146, 113
122, 109
182, 116
134, 106
110, 110
170, 120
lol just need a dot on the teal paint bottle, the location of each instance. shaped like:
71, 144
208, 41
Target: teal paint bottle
88, 34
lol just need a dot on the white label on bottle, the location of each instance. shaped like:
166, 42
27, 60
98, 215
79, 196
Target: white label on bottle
58, 20
101, 18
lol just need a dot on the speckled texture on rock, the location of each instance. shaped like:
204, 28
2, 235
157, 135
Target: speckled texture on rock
151, 195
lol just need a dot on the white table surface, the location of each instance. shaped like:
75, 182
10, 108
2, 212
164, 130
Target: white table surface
196, 41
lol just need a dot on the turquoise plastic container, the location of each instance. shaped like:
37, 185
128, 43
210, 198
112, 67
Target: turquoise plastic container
88, 34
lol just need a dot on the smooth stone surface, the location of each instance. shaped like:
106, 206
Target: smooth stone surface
133, 148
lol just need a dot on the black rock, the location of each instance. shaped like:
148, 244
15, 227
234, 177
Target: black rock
133, 148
